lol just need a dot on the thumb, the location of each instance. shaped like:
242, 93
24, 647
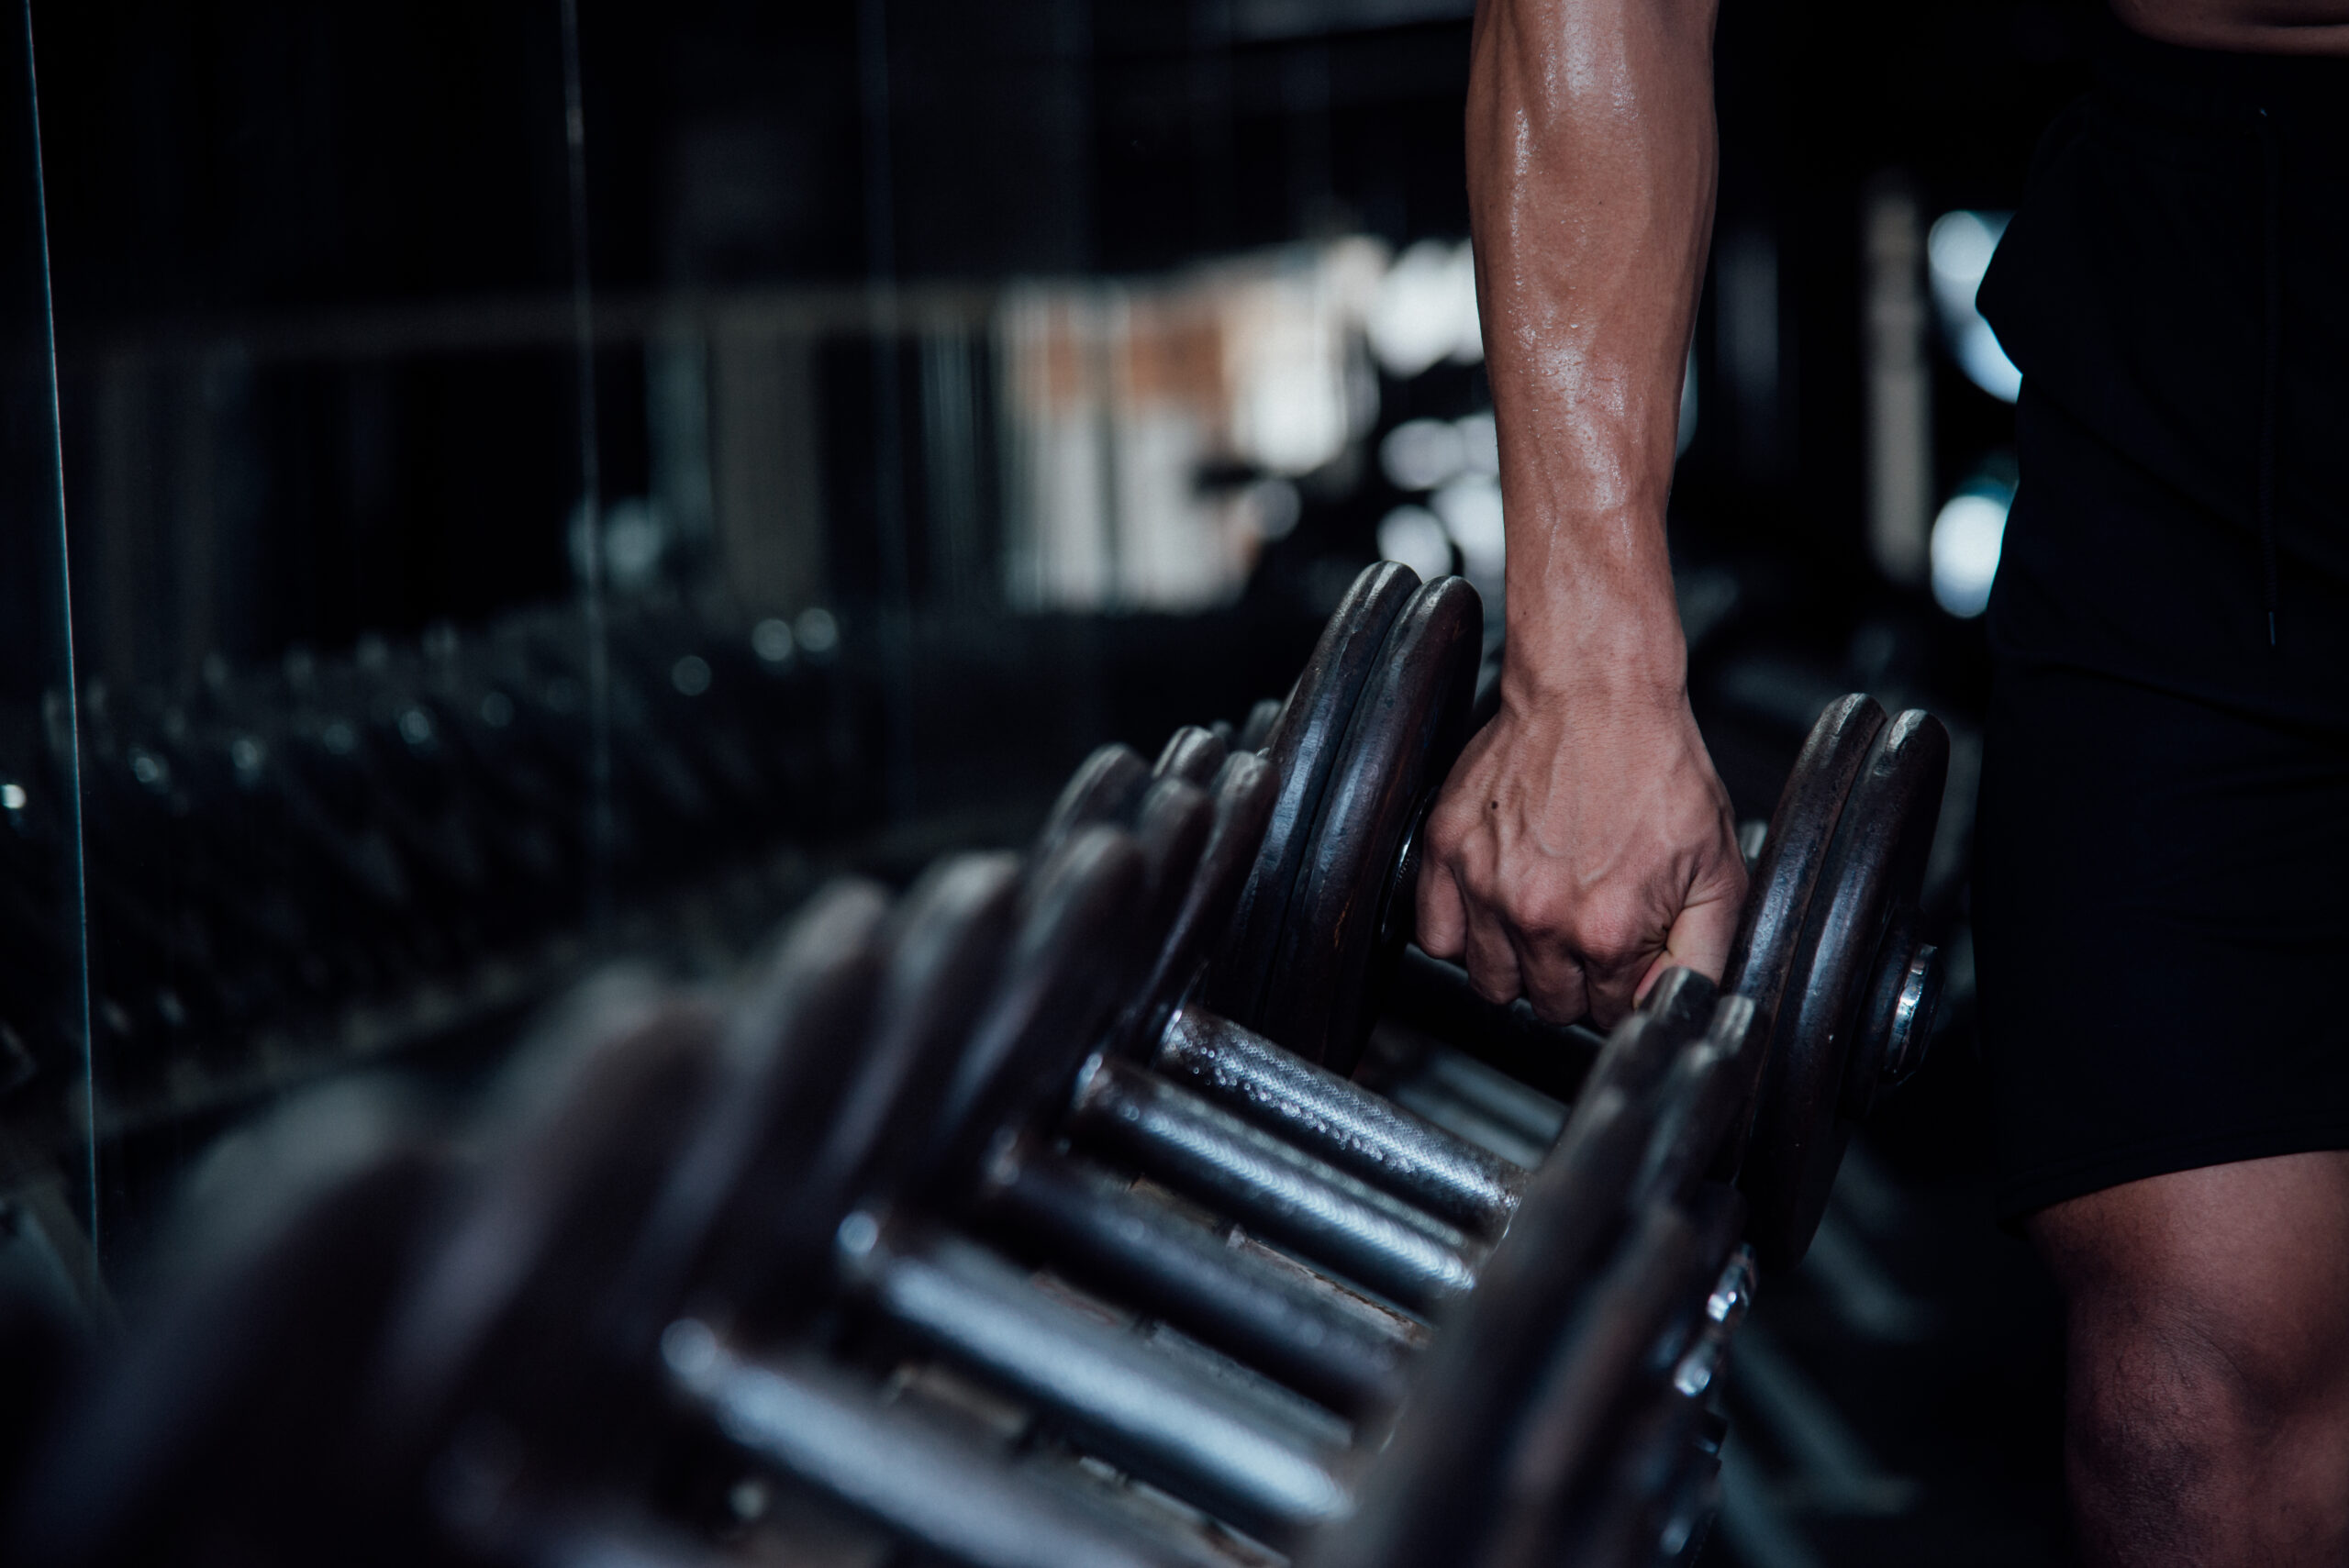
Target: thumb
1442, 913
1700, 937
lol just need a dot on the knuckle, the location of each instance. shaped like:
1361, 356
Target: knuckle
1537, 910
1613, 938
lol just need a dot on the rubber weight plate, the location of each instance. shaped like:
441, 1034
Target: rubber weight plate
1072, 963
1256, 731
1242, 793
940, 954
945, 953
246, 1364
1170, 825
508, 1299
1193, 755
1783, 880
1303, 748
727, 1203
1105, 787
1405, 733
1874, 869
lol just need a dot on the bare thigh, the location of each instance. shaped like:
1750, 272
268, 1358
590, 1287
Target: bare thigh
2207, 1399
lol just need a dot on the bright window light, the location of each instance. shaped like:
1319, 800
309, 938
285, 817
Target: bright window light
1966, 538
1957, 252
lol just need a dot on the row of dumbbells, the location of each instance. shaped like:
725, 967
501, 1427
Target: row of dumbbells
971, 1224
270, 844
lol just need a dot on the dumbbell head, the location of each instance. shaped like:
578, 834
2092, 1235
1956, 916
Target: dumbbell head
512, 1293
1241, 798
1826, 948
1079, 948
1193, 755
1833, 958
1304, 747
1400, 742
1370, 730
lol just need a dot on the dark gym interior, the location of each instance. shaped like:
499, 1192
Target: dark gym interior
505, 503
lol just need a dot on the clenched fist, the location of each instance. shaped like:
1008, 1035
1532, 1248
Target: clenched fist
1578, 850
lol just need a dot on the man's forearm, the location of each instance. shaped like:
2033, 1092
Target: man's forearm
1591, 157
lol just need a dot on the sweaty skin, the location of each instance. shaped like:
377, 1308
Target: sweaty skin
1584, 840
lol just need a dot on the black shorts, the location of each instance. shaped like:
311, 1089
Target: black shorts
2160, 898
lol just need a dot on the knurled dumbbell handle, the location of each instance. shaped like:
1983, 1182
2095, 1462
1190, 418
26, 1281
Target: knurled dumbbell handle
1268, 1314
1162, 1420
1269, 1185
1362, 1133
967, 1504
1435, 998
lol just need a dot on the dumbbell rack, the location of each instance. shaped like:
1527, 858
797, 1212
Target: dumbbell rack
968, 1225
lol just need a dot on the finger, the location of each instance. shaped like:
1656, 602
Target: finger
1701, 935
1555, 980
1490, 958
1442, 913
1616, 988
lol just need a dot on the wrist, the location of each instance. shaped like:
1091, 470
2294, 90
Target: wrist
1609, 653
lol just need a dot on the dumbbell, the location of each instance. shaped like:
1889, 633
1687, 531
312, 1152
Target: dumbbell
1826, 945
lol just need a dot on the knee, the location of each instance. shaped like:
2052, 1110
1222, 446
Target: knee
2192, 1384
2209, 1387
2172, 1392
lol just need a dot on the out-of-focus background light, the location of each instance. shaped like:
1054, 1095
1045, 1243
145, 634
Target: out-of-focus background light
1416, 537
1957, 252
1419, 455
1967, 534
1425, 311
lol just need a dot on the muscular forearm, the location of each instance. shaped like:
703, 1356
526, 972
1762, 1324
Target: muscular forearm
1591, 159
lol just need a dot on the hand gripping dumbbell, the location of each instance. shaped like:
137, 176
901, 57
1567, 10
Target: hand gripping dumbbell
1827, 946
